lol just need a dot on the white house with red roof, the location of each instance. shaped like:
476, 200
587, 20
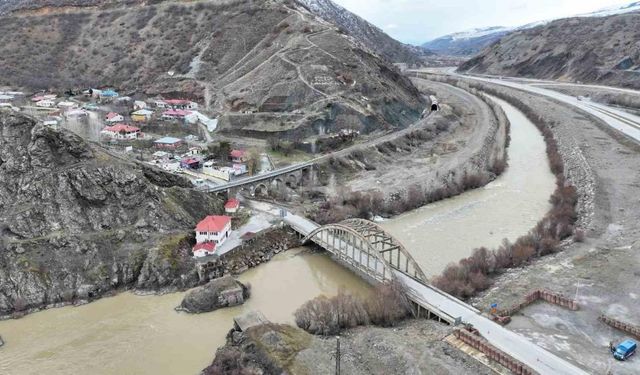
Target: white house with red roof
204, 249
213, 228
113, 117
238, 156
180, 114
121, 131
232, 206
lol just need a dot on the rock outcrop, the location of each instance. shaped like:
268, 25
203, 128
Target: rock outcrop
218, 293
77, 222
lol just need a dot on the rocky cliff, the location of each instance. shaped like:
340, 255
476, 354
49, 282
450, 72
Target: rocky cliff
77, 222
589, 49
291, 69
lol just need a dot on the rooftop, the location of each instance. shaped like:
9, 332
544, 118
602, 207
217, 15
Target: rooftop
213, 223
168, 140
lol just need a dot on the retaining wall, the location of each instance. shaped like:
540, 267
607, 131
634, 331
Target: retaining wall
541, 294
493, 353
622, 326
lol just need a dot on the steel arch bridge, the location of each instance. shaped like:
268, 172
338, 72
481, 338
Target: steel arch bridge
367, 247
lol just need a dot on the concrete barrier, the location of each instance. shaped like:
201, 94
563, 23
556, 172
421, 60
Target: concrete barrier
493, 353
622, 326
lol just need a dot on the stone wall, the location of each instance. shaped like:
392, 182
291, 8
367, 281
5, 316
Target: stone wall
253, 252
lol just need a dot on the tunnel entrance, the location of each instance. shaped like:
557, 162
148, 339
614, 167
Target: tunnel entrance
434, 107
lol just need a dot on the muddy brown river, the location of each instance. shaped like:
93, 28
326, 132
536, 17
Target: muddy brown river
508, 207
130, 334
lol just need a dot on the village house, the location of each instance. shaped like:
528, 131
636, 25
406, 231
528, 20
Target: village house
232, 206
214, 229
67, 105
168, 143
181, 115
238, 156
139, 104
4, 98
194, 151
141, 115
108, 93
223, 173
190, 163
203, 249
75, 113
161, 155
113, 117
46, 103
181, 104
122, 131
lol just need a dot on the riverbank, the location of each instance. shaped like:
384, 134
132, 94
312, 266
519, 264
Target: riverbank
458, 148
260, 248
364, 350
598, 273
110, 335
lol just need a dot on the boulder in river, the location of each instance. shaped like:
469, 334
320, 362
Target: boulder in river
218, 293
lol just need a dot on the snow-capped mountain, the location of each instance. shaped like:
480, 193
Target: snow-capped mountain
471, 42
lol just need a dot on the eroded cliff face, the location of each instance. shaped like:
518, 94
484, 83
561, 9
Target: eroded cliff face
76, 222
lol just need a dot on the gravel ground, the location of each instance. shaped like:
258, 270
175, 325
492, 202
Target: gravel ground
414, 347
601, 272
464, 147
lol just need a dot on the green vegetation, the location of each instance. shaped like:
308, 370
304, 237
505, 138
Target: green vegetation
170, 248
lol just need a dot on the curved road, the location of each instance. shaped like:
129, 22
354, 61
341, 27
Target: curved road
626, 123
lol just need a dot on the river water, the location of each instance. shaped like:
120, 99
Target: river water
129, 334
508, 207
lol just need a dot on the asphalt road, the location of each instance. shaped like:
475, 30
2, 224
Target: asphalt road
624, 122
508, 341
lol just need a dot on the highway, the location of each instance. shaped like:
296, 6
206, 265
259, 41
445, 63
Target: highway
428, 296
626, 123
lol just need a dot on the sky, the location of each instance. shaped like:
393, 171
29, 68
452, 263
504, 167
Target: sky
418, 21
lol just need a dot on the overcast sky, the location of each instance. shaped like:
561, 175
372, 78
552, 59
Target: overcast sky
417, 21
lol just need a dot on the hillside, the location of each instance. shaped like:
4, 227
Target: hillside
371, 36
76, 222
469, 43
601, 50
295, 71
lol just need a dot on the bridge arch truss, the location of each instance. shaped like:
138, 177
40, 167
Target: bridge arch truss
368, 248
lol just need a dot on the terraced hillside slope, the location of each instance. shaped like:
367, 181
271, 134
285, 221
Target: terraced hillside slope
602, 50
77, 222
266, 65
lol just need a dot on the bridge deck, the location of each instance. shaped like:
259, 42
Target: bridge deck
450, 308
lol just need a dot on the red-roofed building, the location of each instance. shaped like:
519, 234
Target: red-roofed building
176, 104
232, 205
203, 249
214, 229
238, 156
122, 131
113, 117
180, 114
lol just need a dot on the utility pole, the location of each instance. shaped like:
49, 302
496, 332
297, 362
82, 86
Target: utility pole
338, 355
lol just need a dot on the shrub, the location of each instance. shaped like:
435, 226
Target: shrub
470, 275
386, 306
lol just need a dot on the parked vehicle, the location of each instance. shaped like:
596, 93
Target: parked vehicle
624, 350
